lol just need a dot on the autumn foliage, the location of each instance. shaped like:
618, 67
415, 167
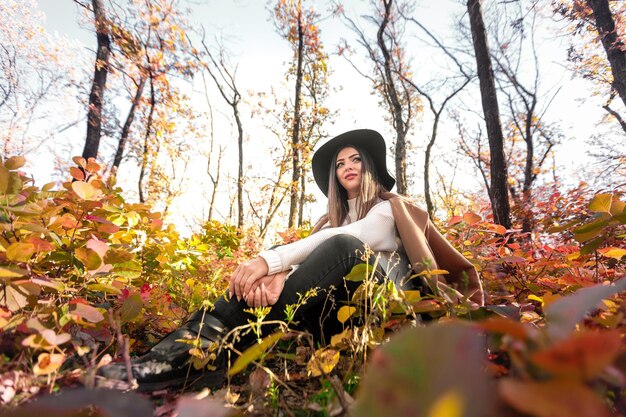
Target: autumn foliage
86, 275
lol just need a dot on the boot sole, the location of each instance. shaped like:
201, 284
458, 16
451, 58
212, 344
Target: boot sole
205, 380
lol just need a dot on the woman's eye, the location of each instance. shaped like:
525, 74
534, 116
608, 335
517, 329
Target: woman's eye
339, 165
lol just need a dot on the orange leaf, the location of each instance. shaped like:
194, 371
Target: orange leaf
77, 173
582, 356
40, 244
497, 228
552, 398
471, 218
93, 166
505, 326
79, 160
455, 220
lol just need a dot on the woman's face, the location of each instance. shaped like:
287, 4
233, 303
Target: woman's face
348, 171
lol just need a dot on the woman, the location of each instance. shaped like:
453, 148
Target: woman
351, 171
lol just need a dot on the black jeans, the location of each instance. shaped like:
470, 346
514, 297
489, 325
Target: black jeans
324, 269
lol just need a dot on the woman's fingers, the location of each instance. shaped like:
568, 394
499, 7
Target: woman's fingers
257, 297
264, 295
232, 285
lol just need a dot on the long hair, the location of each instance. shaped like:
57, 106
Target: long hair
371, 189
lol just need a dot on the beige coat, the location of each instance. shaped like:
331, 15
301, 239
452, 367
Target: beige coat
424, 245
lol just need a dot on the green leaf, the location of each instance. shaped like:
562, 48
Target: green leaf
592, 246
254, 352
601, 202
359, 272
593, 226
131, 308
563, 314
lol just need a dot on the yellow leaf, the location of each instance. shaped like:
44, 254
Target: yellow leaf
431, 272
86, 191
345, 313
450, 404
601, 202
4, 180
412, 296
341, 339
613, 252
322, 362
20, 251
535, 298
253, 352
48, 363
617, 207
8, 273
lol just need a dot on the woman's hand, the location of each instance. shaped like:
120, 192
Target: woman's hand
246, 274
266, 291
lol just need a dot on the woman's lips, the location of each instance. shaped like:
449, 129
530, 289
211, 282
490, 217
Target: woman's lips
350, 176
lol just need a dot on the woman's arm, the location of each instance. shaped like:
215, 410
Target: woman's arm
377, 230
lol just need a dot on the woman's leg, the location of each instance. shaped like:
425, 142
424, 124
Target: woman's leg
324, 269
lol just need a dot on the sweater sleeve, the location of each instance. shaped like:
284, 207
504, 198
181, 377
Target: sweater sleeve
377, 230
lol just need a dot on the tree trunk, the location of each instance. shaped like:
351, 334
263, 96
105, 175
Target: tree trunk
302, 198
94, 114
146, 144
529, 171
126, 128
240, 174
430, 207
613, 45
295, 137
390, 88
498, 170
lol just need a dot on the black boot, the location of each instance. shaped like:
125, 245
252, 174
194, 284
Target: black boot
167, 365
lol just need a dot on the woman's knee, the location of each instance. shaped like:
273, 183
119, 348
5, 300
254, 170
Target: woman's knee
344, 243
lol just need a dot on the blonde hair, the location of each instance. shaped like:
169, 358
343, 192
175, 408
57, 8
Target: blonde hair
371, 189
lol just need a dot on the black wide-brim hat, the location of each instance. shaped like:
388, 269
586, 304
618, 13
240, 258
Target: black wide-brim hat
368, 140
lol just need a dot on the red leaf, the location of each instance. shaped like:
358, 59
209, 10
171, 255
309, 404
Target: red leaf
552, 398
582, 356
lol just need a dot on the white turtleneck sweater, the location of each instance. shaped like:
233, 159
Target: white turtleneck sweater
377, 230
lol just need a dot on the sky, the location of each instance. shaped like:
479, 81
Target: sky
261, 55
